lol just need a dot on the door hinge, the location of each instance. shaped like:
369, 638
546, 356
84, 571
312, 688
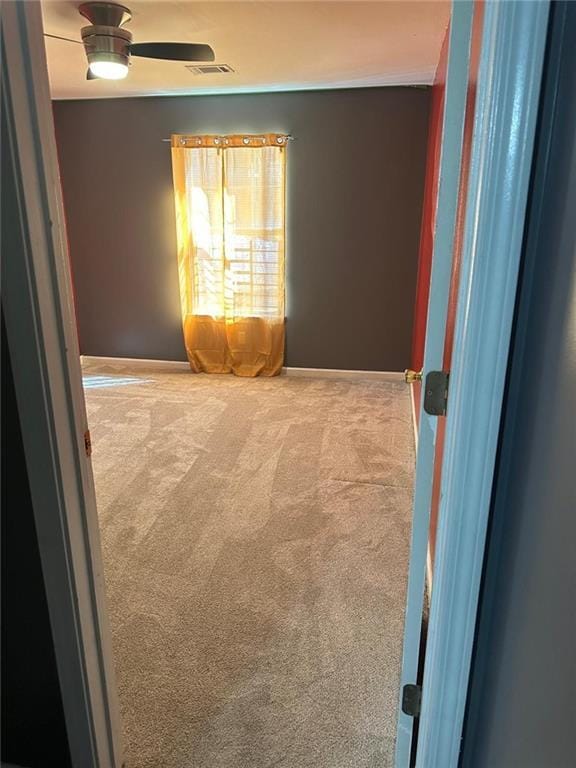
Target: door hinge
87, 443
411, 699
436, 393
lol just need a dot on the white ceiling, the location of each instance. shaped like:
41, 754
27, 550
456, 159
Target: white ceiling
272, 45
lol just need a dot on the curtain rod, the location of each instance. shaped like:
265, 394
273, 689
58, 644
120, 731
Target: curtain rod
287, 136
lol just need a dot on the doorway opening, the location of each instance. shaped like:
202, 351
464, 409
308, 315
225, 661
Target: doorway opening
52, 408
255, 532
130, 376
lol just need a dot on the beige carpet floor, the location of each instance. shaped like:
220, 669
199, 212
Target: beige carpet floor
255, 535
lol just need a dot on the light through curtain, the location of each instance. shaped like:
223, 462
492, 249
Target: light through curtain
230, 201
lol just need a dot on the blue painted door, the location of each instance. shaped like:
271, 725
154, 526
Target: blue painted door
444, 237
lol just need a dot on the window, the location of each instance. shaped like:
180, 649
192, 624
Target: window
230, 201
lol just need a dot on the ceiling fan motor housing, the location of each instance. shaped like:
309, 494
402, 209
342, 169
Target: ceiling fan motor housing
105, 14
104, 39
104, 43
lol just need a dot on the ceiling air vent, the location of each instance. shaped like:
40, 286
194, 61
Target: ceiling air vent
210, 69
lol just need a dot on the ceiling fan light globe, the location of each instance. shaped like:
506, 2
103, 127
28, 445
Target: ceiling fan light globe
109, 70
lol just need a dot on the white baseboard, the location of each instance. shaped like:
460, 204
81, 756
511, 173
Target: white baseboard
428, 553
414, 417
177, 365
137, 363
336, 373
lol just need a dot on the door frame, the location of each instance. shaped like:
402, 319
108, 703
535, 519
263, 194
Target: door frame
507, 100
39, 308
453, 122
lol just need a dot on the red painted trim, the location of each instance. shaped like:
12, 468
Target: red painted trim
429, 208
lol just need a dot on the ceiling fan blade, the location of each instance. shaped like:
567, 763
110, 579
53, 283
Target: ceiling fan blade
173, 51
90, 75
66, 39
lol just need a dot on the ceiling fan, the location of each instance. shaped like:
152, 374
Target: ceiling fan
109, 46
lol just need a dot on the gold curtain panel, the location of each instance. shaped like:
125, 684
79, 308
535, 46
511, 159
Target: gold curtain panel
230, 218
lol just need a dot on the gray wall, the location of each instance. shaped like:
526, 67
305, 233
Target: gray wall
522, 707
355, 185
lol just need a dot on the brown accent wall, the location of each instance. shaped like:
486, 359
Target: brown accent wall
355, 186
